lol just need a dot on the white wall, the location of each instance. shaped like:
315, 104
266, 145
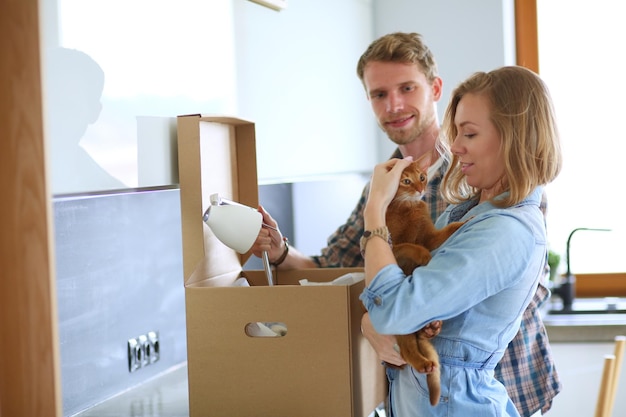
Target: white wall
296, 78
319, 207
291, 72
159, 59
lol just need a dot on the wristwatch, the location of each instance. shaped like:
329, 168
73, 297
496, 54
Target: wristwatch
282, 257
381, 232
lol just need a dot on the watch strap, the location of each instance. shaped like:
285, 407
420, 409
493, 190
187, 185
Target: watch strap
381, 232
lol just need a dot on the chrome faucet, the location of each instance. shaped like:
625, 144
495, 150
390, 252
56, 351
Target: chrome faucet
567, 288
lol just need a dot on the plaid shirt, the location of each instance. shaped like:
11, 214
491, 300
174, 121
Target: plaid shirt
527, 369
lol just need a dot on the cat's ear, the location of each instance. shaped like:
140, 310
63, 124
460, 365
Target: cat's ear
423, 162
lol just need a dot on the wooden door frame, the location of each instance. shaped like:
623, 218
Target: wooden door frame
29, 351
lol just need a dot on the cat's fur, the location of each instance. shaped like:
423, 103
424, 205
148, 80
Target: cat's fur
414, 236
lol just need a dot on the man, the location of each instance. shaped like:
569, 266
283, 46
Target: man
400, 78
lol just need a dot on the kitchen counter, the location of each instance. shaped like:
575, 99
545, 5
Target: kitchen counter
163, 396
583, 333
584, 324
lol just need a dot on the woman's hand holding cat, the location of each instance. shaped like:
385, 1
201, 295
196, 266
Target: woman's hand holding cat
384, 183
384, 345
383, 188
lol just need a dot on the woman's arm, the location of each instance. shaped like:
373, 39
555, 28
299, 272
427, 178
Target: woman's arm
491, 253
375, 248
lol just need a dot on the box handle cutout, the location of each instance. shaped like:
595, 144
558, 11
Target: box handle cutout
265, 329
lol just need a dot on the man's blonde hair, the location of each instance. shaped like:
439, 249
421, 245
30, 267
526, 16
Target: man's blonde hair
405, 48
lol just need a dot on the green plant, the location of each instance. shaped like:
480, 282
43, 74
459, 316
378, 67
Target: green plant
554, 259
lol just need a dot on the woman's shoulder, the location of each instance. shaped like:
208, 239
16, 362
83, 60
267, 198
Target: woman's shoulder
522, 223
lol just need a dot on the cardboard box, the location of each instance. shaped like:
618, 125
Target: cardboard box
322, 365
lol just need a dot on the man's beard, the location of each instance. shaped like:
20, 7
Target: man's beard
408, 135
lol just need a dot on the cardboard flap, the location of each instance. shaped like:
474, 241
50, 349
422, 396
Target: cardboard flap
216, 154
219, 268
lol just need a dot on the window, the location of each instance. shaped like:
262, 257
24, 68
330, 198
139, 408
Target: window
580, 51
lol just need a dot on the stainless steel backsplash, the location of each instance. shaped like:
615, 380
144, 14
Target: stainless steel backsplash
119, 275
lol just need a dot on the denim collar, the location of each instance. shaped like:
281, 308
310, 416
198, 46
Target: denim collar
460, 210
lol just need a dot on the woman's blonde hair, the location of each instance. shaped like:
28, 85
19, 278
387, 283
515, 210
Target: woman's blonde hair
523, 114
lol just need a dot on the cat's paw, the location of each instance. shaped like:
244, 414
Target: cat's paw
407, 265
427, 367
432, 329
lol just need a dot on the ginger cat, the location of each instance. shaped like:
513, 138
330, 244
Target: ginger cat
414, 236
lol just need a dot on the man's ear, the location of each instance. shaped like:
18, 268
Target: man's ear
437, 86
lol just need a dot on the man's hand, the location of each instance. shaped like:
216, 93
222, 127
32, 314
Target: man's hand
268, 239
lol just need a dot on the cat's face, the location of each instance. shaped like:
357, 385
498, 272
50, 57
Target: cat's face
412, 183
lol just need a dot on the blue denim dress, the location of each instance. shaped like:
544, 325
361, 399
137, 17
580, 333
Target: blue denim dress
479, 283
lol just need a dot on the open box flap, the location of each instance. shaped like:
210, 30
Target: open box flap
216, 154
212, 273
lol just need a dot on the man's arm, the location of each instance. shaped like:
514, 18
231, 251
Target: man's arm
272, 241
342, 248
297, 260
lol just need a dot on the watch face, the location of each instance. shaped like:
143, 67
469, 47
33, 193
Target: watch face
367, 233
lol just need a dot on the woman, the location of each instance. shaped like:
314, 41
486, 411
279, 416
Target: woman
500, 129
